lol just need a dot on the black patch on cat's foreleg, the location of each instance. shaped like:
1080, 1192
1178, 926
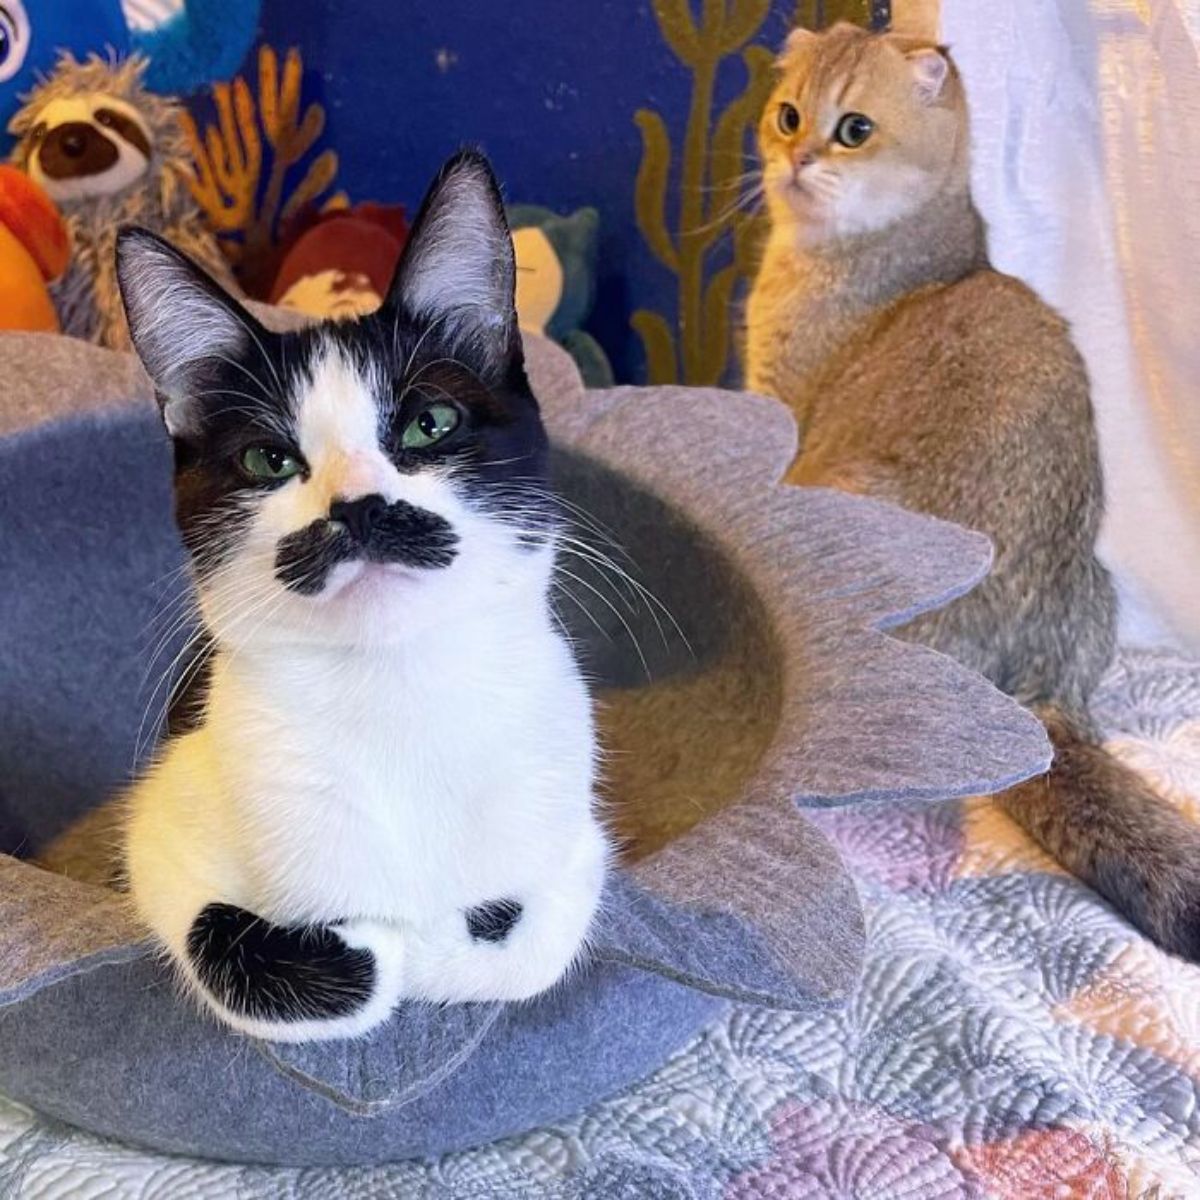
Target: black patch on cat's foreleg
493, 921
275, 972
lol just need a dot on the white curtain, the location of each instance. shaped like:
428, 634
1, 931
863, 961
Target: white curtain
1087, 167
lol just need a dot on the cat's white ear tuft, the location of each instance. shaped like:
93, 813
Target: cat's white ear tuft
180, 320
930, 69
458, 265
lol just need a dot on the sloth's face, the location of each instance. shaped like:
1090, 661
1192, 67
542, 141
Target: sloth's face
84, 147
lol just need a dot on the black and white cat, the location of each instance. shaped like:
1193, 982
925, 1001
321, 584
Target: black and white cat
385, 789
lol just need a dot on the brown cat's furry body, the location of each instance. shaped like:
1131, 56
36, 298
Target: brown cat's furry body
922, 376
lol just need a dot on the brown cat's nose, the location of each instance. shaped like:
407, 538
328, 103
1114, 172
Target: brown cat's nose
359, 516
803, 158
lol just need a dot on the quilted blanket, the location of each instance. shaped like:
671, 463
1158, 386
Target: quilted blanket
1010, 1037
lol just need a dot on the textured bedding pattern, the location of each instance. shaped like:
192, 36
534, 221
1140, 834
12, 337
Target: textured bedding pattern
1010, 1037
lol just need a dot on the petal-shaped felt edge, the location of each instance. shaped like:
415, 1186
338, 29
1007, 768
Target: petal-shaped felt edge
421, 1046
866, 717
92, 927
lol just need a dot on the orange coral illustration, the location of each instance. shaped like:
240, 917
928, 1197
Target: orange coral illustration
240, 183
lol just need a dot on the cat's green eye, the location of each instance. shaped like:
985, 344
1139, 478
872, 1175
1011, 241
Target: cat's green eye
429, 426
270, 464
853, 129
788, 119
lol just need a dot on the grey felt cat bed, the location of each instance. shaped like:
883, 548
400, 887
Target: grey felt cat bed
777, 687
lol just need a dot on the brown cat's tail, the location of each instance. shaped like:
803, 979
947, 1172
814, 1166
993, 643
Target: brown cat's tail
1102, 822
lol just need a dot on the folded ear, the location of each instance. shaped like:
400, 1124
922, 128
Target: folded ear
181, 321
931, 69
798, 47
458, 266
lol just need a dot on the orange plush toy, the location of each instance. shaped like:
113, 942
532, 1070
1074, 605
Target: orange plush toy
34, 251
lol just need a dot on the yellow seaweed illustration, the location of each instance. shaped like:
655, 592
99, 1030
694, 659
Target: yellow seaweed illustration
710, 170
818, 14
240, 183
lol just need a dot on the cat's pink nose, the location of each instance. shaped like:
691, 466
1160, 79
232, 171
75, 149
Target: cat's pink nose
361, 472
803, 158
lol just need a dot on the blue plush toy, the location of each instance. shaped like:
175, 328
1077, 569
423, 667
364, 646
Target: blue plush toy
556, 282
188, 42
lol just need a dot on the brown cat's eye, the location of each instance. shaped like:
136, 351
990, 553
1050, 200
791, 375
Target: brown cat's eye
788, 119
853, 129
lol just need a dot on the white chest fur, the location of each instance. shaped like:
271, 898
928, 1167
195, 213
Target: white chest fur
392, 782
393, 789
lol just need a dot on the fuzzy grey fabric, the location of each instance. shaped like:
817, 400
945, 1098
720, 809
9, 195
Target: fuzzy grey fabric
762, 678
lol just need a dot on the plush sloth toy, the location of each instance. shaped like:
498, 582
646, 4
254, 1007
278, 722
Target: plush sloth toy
108, 153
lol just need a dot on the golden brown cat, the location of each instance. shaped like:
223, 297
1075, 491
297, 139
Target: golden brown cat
920, 375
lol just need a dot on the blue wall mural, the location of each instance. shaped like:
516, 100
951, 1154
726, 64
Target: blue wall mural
577, 104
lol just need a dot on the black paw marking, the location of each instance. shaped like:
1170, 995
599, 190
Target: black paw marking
493, 921
276, 972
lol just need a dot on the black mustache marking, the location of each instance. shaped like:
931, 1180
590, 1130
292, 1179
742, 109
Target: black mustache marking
401, 534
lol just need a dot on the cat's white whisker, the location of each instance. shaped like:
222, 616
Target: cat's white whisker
616, 613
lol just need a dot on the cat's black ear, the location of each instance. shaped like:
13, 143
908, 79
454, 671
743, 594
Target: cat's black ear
458, 267
180, 320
